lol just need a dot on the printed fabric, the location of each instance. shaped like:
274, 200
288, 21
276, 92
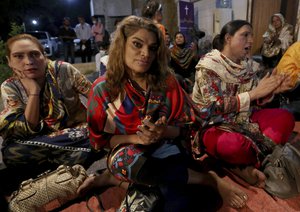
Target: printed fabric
60, 104
277, 41
225, 84
122, 116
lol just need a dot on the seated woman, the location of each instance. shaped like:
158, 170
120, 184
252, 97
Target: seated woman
43, 122
137, 110
226, 79
277, 39
183, 57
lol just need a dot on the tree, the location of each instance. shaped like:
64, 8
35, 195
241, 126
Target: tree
14, 11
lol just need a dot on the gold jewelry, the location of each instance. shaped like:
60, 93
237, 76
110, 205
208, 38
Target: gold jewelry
33, 94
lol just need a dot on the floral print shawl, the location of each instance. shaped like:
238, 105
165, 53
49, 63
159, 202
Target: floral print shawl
60, 103
285, 35
226, 84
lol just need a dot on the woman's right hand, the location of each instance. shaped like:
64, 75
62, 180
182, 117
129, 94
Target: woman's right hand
31, 86
149, 132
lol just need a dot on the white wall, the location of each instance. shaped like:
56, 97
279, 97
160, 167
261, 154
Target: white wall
111, 7
205, 10
98, 7
205, 14
118, 7
239, 8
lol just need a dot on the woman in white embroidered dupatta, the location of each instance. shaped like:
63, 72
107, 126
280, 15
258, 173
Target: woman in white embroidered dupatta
227, 78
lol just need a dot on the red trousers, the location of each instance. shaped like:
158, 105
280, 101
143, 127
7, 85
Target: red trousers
234, 148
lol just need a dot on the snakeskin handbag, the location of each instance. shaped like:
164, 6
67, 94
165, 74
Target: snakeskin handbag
49, 190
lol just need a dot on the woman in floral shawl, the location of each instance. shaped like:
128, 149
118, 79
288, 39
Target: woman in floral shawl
226, 78
277, 39
139, 111
43, 121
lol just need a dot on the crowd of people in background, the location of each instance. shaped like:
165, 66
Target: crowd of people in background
156, 91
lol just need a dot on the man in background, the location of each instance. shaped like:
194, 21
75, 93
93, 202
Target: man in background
67, 35
83, 32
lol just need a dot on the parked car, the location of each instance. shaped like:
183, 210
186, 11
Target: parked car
50, 44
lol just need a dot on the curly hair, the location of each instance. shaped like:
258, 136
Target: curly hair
117, 73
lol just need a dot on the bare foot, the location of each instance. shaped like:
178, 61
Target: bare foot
230, 194
251, 175
93, 181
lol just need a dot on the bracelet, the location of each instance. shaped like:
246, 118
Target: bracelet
33, 94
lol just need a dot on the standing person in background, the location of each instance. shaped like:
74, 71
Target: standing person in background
101, 59
67, 34
153, 10
97, 32
83, 32
277, 39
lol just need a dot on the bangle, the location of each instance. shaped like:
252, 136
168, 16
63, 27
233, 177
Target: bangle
33, 94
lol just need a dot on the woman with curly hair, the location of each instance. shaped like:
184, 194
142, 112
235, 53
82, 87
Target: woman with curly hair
138, 111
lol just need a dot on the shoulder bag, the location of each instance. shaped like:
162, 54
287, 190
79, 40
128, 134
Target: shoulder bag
48, 191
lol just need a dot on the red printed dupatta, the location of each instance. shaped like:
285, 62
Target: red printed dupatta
122, 116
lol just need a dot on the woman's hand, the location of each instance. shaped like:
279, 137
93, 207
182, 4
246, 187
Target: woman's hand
31, 86
151, 132
286, 84
266, 86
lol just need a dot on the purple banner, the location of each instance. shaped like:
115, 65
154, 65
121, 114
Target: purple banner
186, 14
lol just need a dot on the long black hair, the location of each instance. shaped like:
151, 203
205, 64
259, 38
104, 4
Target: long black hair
230, 28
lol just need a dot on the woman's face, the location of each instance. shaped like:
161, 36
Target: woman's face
179, 39
140, 51
276, 22
240, 43
26, 57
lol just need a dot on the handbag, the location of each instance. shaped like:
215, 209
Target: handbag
49, 190
282, 170
140, 198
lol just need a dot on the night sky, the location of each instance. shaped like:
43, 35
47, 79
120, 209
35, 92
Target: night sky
50, 19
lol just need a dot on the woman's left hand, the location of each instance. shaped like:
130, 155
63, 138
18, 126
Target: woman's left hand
152, 132
286, 82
